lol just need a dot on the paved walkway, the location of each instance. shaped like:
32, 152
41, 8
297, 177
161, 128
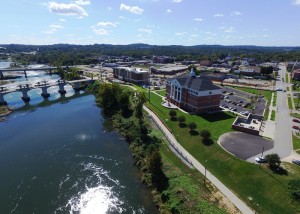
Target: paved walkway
227, 192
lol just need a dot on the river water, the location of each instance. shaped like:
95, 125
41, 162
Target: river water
63, 157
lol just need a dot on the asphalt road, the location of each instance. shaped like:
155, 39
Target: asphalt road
283, 133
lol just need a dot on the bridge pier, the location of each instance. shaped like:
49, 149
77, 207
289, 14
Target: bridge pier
2, 101
77, 86
1, 75
25, 73
24, 90
45, 93
61, 85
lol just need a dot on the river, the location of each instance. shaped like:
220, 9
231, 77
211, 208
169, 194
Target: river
63, 157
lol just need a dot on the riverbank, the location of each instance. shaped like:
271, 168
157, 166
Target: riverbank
175, 187
4, 110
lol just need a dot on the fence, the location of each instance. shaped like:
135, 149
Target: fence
172, 144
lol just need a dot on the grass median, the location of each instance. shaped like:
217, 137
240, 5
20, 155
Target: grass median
259, 187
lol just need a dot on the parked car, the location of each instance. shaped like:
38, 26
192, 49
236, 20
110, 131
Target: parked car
297, 162
260, 159
296, 120
278, 89
296, 127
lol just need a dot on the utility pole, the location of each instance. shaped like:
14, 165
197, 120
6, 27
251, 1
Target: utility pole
149, 82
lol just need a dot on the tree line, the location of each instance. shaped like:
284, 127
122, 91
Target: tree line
64, 54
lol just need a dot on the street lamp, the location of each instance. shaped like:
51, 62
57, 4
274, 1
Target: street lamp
149, 82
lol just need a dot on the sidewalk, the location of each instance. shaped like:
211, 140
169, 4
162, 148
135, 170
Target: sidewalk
227, 192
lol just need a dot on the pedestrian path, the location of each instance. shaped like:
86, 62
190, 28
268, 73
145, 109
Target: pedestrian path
203, 170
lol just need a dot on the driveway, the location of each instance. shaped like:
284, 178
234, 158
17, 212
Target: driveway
244, 145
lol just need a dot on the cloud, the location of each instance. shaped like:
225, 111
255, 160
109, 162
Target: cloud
296, 2
236, 13
67, 9
219, 15
62, 20
198, 19
194, 35
53, 29
149, 31
169, 11
177, 1
180, 33
83, 2
132, 9
106, 24
228, 29
101, 31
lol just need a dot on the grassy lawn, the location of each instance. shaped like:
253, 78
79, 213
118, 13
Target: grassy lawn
296, 142
259, 187
273, 115
296, 115
286, 77
185, 182
274, 99
290, 102
266, 94
162, 92
266, 113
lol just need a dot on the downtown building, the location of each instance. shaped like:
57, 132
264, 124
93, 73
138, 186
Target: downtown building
133, 75
193, 93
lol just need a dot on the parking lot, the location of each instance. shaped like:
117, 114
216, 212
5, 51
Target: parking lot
239, 101
244, 145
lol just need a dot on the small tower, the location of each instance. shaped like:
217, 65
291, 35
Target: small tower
192, 73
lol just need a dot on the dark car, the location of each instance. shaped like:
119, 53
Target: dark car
296, 162
296, 127
296, 120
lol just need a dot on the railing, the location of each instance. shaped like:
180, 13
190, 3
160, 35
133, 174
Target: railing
172, 144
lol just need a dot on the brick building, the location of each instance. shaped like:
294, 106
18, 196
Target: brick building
193, 93
133, 75
296, 74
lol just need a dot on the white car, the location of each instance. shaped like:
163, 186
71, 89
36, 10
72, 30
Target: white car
260, 159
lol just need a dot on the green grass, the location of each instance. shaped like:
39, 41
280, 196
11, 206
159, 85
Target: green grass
267, 190
274, 99
266, 113
296, 115
296, 142
273, 115
266, 94
290, 102
162, 92
184, 182
286, 77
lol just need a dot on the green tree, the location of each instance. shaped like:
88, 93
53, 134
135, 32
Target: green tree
205, 134
192, 126
140, 100
172, 114
273, 160
181, 119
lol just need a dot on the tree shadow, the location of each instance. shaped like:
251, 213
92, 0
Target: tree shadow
182, 125
279, 170
216, 116
207, 141
173, 118
194, 132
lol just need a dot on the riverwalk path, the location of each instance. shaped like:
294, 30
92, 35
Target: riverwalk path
202, 169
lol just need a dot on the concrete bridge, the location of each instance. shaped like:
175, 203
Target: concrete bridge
50, 69
24, 89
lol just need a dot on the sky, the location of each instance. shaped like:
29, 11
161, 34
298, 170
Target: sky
155, 22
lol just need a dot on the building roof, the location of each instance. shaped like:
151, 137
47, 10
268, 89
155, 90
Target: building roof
197, 83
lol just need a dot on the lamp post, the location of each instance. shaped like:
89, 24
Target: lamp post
149, 81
